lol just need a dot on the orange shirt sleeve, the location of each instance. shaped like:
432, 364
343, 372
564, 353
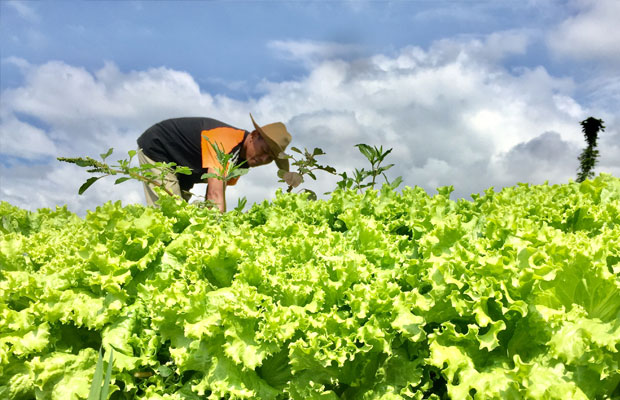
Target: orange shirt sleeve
224, 137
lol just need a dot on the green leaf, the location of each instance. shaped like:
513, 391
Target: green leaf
87, 184
121, 180
80, 162
238, 172
396, 182
183, 170
209, 175
106, 154
241, 202
329, 169
106, 383
59, 374
383, 169
383, 155
311, 194
292, 178
164, 371
366, 150
95, 389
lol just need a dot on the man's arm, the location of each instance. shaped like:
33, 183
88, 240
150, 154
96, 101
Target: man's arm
216, 191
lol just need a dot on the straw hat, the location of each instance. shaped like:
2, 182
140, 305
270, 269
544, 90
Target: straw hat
277, 138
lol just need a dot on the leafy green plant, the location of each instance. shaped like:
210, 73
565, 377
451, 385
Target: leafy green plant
375, 155
306, 166
241, 203
153, 174
376, 295
229, 168
587, 159
100, 386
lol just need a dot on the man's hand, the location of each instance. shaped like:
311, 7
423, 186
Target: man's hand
216, 191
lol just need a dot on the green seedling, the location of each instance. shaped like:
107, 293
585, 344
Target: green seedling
153, 174
306, 166
100, 387
375, 155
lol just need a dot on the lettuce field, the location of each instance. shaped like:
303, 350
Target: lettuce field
387, 294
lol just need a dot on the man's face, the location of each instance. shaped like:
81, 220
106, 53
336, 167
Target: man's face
257, 152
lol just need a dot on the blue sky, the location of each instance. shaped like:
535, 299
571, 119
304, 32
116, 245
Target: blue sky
190, 35
469, 93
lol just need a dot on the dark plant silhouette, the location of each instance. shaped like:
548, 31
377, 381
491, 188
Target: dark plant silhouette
587, 158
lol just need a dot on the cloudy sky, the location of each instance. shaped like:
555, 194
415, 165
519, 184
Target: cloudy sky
467, 93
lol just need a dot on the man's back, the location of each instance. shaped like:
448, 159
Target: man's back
178, 140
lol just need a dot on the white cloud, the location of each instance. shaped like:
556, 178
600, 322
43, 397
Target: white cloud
603, 92
54, 184
609, 148
24, 10
90, 110
452, 114
591, 34
310, 51
545, 157
24, 140
485, 49
20, 63
452, 12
